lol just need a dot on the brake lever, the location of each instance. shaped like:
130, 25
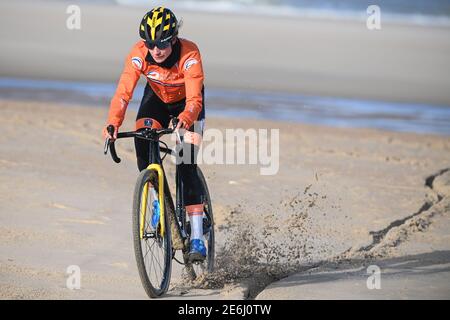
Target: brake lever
105, 151
110, 130
175, 121
110, 144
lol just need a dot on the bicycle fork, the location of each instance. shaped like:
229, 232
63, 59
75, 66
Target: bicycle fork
159, 171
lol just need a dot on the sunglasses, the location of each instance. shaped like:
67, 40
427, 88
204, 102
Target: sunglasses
160, 45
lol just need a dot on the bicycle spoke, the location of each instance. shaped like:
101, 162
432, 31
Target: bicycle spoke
149, 259
154, 259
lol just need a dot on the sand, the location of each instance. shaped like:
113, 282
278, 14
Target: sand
64, 203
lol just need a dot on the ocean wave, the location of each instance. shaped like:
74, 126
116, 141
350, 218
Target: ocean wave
437, 15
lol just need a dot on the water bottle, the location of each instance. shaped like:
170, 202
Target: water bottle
156, 209
156, 212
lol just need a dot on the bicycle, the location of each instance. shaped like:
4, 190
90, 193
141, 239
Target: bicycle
154, 210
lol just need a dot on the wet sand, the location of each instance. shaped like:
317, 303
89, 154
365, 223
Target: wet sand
62, 203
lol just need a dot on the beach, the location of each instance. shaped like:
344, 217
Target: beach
403, 63
338, 201
71, 205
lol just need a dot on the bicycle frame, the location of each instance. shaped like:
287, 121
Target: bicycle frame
155, 165
154, 285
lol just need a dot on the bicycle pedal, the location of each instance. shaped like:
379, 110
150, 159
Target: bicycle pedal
196, 258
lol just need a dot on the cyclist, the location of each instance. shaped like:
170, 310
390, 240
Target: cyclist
173, 69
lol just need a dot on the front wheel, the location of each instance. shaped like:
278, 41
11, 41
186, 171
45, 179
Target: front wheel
152, 248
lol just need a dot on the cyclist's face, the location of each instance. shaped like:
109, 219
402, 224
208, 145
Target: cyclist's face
159, 55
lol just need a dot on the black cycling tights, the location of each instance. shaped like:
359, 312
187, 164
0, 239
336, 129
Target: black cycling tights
152, 107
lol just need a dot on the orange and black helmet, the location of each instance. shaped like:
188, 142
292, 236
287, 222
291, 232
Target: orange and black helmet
158, 27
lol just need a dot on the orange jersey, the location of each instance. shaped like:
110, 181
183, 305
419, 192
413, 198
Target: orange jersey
183, 80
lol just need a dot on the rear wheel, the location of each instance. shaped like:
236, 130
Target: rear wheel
197, 269
153, 250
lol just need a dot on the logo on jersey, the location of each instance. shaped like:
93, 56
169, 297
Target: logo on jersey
153, 75
137, 62
148, 122
189, 63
